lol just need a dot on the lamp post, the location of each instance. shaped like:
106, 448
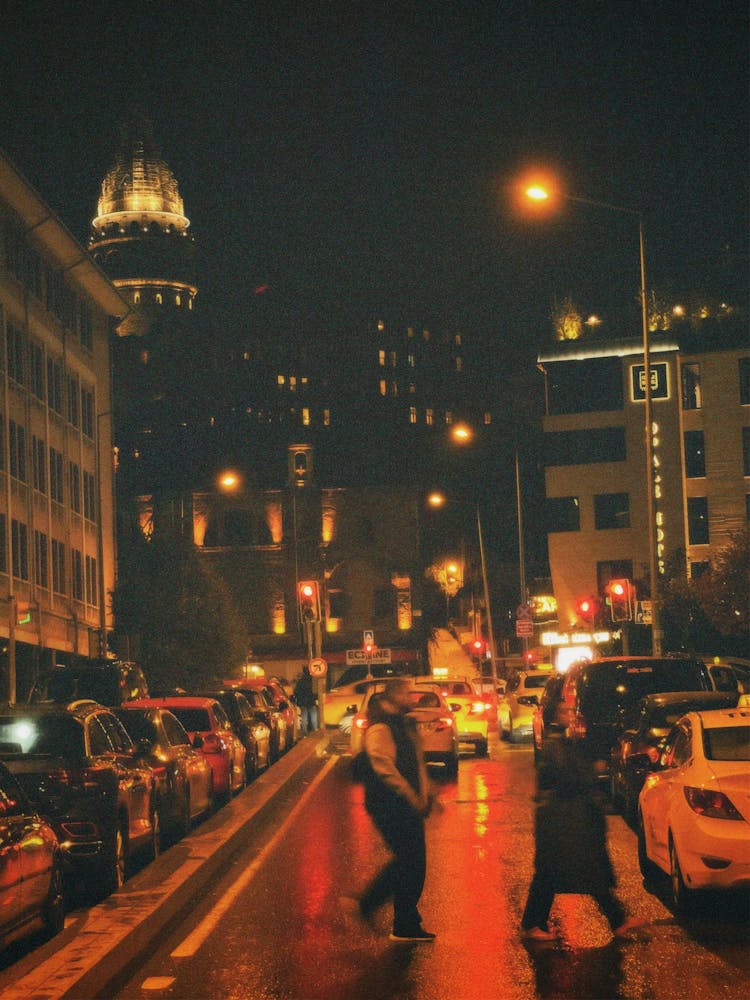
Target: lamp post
438, 500
540, 193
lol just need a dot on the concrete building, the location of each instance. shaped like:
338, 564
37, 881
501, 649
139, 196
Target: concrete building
57, 548
594, 436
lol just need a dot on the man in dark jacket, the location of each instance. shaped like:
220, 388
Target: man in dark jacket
304, 697
398, 796
570, 846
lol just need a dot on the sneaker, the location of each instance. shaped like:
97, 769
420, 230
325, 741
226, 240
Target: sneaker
537, 934
419, 935
628, 927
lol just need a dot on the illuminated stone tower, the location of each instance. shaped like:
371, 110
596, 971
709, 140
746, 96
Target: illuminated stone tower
142, 239
141, 236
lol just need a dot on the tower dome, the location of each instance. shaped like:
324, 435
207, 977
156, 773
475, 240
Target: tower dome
140, 235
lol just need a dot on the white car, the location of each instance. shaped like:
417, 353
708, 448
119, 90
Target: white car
516, 707
694, 809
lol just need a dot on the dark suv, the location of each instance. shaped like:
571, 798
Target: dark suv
110, 682
80, 768
598, 695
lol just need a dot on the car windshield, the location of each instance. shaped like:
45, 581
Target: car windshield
60, 734
611, 686
536, 681
359, 673
195, 720
727, 743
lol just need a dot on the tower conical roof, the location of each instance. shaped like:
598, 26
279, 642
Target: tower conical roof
140, 182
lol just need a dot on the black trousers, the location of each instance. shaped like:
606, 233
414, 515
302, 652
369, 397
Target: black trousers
402, 879
542, 894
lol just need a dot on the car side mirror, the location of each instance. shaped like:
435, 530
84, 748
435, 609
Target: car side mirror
197, 741
351, 709
454, 707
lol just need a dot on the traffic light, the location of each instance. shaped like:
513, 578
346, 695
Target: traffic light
620, 600
478, 647
587, 608
309, 600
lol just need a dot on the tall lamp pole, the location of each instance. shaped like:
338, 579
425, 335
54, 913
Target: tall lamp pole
540, 194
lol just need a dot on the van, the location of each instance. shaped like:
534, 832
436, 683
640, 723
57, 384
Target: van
598, 694
108, 682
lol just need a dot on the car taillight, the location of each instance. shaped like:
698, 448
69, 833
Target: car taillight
577, 727
360, 722
713, 804
478, 708
444, 722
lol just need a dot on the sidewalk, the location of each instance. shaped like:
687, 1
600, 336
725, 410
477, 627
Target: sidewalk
97, 945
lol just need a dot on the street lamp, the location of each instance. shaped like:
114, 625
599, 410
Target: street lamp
438, 500
540, 194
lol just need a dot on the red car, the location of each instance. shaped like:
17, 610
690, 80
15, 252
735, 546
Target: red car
211, 732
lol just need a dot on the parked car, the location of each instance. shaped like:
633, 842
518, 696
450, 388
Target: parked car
693, 810
265, 707
110, 682
435, 724
599, 694
211, 732
80, 769
183, 777
31, 872
251, 728
516, 706
546, 722
287, 708
471, 711
640, 742
350, 688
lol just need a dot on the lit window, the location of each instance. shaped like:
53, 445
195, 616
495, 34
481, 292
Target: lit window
428, 417
458, 339
412, 414
190, 303
381, 358
306, 416
449, 417
292, 383
393, 359
177, 300
459, 365
412, 388
280, 380
487, 418
136, 298
394, 388
326, 418
381, 325
411, 361
304, 380
159, 298
383, 387
144, 357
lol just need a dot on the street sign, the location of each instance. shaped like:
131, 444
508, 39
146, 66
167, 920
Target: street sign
643, 613
523, 612
318, 667
357, 656
524, 628
368, 637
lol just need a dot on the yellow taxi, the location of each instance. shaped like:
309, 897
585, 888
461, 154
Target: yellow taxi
471, 709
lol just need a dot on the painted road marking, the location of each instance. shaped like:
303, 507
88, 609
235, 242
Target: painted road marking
195, 939
157, 982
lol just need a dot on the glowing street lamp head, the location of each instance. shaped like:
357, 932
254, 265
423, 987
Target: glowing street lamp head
535, 192
436, 499
228, 480
462, 433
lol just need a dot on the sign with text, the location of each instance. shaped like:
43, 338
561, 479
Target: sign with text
659, 373
357, 656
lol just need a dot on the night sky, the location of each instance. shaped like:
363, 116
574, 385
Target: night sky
354, 157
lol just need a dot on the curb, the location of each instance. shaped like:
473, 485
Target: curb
108, 937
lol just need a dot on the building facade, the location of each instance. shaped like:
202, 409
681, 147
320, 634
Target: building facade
595, 465
57, 549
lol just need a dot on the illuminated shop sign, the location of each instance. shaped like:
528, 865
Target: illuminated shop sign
659, 372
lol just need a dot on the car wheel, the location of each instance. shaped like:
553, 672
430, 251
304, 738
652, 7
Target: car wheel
682, 897
648, 869
114, 863
481, 748
53, 913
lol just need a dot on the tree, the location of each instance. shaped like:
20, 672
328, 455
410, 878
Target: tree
567, 320
190, 633
724, 590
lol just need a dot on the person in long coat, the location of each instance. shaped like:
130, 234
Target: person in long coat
570, 836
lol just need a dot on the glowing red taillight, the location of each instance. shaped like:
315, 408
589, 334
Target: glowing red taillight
478, 708
360, 722
711, 803
444, 722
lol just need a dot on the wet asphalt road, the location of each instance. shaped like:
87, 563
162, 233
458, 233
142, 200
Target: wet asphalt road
273, 927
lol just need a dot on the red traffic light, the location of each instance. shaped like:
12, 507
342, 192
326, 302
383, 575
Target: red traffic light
478, 647
308, 596
621, 595
587, 607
